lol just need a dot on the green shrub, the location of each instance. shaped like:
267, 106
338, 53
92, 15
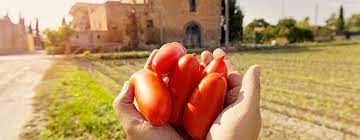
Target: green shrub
87, 54
51, 50
125, 55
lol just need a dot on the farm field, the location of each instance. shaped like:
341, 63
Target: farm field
307, 93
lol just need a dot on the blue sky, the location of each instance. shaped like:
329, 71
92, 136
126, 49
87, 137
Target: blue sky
50, 12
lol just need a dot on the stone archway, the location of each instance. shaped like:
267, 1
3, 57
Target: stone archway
192, 38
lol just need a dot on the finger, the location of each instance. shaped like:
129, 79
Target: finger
229, 65
232, 96
124, 108
206, 58
126, 95
251, 87
149, 60
234, 79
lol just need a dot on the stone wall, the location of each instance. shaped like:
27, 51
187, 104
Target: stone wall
13, 37
152, 21
176, 16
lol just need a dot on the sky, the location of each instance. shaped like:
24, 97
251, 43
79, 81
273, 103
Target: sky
271, 10
51, 12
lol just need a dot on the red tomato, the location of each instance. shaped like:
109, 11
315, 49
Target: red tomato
152, 96
167, 56
205, 105
177, 43
183, 80
217, 65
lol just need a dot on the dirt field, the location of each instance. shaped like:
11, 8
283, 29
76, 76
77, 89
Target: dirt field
18, 75
307, 93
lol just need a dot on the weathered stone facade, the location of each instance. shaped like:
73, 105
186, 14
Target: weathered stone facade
140, 23
13, 37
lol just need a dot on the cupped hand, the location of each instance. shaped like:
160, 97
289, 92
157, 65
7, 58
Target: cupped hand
133, 123
241, 117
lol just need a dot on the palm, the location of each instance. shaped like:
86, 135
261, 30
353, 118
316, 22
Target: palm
240, 119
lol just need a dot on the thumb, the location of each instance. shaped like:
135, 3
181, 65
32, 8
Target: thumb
251, 87
124, 108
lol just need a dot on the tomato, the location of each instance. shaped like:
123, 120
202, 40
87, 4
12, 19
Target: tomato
167, 56
183, 80
152, 96
177, 43
205, 105
216, 65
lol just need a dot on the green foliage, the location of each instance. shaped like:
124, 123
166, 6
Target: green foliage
331, 21
58, 37
354, 23
287, 28
340, 22
270, 33
51, 50
125, 55
236, 17
286, 23
323, 31
305, 23
354, 20
250, 29
87, 54
79, 105
329, 43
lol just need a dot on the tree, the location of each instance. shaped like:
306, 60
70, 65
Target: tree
250, 33
305, 23
331, 21
236, 17
354, 20
236, 21
58, 37
287, 28
354, 23
287, 22
340, 23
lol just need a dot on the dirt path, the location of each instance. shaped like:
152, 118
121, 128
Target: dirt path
18, 76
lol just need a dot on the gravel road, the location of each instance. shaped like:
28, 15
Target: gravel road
19, 74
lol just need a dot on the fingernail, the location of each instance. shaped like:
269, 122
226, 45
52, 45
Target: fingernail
257, 71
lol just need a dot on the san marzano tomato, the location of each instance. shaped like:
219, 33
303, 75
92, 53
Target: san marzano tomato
167, 56
205, 105
152, 96
183, 80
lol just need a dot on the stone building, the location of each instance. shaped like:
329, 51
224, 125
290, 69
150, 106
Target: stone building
140, 23
13, 37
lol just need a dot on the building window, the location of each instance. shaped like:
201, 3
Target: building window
149, 24
192, 5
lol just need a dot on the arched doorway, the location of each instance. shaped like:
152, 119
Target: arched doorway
192, 37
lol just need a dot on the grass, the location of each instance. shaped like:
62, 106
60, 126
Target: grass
78, 105
309, 91
319, 85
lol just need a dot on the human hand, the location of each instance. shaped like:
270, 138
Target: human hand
134, 124
241, 118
